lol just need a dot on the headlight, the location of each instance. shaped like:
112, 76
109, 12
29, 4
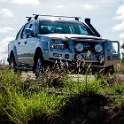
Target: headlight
57, 44
98, 48
79, 47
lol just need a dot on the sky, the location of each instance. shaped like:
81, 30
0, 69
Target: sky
107, 16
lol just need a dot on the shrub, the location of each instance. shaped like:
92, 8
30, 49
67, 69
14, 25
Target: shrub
122, 61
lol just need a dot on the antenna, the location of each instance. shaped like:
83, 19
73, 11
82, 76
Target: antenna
36, 16
76, 18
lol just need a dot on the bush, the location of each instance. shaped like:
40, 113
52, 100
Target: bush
122, 69
122, 61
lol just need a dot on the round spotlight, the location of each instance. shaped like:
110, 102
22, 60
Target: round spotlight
98, 48
79, 47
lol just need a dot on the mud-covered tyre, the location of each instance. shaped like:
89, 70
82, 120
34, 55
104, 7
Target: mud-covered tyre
39, 66
109, 70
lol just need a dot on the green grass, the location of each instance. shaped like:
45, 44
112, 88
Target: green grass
122, 69
122, 61
122, 66
25, 99
20, 103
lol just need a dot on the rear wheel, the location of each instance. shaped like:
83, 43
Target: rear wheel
39, 65
12, 63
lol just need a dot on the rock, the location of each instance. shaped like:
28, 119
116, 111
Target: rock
106, 107
57, 82
85, 121
73, 122
92, 115
79, 120
85, 100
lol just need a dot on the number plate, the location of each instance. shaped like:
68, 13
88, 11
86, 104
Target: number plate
89, 57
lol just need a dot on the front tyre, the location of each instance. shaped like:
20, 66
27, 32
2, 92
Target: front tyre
39, 65
110, 69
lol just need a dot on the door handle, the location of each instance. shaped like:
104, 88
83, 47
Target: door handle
18, 43
25, 42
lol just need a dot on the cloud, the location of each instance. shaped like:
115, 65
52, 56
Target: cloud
121, 35
109, 1
4, 48
120, 16
3, 0
87, 6
119, 26
6, 13
104, 0
59, 7
31, 2
120, 12
5, 29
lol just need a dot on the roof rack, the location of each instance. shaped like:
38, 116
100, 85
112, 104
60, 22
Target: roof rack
29, 18
36, 16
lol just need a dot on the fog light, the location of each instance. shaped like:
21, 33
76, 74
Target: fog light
109, 57
57, 54
66, 56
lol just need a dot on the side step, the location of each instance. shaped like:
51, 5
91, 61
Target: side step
26, 68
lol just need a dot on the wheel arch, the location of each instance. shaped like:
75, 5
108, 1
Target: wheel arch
11, 54
38, 50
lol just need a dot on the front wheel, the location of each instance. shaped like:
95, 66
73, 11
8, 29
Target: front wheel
110, 69
39, 66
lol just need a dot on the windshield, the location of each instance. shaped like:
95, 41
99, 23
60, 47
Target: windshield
64, 28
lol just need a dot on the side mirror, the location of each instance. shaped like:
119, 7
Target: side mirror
28, 32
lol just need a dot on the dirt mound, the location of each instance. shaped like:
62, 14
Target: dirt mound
95, 109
